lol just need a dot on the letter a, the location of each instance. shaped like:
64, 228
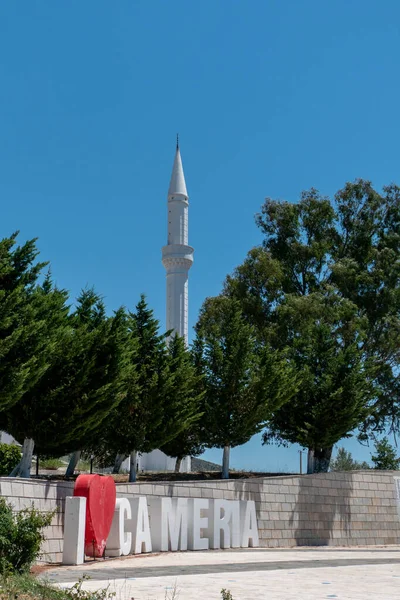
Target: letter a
139, 526
248, 521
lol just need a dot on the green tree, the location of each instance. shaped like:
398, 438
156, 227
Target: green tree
51, 310
312, 252
26, 339
345, 462
187, 443
244, 381
87, 378
90, 315
186, 389
367, 271
161, 403
385, 457
185, 395
335, 393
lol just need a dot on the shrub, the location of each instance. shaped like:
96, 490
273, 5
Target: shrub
10, 455
21, 535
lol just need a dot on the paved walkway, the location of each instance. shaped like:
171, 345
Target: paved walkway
251, 574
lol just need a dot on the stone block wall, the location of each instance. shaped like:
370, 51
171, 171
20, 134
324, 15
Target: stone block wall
45, 496
338, 509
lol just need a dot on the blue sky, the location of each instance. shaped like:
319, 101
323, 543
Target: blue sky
269, 98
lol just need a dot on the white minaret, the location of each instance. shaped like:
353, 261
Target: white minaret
177, 256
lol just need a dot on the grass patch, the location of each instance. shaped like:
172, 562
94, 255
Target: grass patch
83, 465
51, 463
27, 587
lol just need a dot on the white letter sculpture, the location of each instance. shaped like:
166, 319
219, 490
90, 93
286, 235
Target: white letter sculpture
169, 523
119, 542
176, 524
197, 523
225, 524
74, 531
139, 526
248, 521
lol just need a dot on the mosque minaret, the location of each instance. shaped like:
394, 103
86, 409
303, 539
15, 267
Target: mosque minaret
177, 258
177, 255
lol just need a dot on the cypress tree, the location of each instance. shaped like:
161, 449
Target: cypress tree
185, 395
160, 404
386, 456
244, 382
134, 426
88, 377
25, 335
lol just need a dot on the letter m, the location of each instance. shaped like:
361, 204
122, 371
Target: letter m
174, 524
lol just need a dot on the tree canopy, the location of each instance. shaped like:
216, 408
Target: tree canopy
345, 462
386, 456
164, 398
86, 379
325, 284
244, 381
186, 389
26, 338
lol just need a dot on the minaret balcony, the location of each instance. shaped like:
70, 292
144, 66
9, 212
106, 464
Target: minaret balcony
177, 255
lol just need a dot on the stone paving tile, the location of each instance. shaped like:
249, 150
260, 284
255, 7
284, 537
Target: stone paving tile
211, 569
236, 555
343, 583
257, 574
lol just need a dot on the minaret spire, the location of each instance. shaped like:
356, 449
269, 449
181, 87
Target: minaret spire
177, 255
177, 185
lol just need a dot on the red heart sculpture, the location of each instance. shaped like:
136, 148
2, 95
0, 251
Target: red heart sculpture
100, 494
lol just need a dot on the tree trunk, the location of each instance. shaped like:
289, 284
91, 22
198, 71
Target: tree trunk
178, 464
225, 462
73, 461
119, 459
310, 461
322, 458
23, 469
132, 467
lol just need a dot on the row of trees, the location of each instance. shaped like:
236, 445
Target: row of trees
385, 458
74, 379
303, 344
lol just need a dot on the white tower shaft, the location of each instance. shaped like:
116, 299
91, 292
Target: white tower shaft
177, 255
